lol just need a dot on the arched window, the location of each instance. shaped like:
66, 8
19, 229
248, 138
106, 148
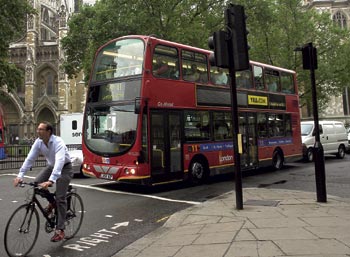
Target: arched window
48, 82
340, 19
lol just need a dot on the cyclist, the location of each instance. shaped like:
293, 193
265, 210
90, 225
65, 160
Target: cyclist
58, 170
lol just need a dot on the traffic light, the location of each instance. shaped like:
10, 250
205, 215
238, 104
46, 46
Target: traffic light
218, 44
309, 53
235, 21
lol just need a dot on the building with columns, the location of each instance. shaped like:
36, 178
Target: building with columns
339, 11
47, 92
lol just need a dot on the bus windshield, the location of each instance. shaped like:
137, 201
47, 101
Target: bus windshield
110, 129
119, 59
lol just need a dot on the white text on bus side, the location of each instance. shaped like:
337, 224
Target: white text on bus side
226, 158
165, 104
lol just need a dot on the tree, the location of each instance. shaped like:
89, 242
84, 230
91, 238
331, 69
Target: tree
276, 29
12, 25
185, 21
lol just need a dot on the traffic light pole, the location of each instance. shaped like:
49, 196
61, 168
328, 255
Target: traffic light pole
309, 53
231, 51
235, 120
320, 173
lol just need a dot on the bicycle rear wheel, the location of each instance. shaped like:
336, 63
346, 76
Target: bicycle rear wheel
75, 215
22, 230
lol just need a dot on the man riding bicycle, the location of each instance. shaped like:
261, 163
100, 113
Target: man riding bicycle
58, 170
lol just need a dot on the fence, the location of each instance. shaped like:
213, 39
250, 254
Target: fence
16, 154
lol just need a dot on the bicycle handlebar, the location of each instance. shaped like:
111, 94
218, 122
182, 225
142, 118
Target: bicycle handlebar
33, 184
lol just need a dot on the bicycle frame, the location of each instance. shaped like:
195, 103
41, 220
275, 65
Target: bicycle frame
35, 202
24, 223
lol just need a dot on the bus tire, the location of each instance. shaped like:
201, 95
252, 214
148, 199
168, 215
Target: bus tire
341, 152
277, 160
199, 171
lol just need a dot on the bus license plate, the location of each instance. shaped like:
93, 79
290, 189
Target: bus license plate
106, 176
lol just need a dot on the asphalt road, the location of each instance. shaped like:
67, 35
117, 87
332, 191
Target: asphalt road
116, 215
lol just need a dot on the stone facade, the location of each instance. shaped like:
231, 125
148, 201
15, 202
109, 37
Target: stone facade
339, 106
47, 92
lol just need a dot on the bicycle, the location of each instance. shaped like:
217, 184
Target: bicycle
22, 229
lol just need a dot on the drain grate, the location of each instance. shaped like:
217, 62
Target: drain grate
272, 203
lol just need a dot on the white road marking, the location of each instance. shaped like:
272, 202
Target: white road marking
120, 192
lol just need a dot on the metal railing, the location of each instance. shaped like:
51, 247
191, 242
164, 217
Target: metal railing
14, 156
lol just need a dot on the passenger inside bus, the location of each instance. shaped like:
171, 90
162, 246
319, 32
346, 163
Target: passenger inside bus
193, 74
220, 78
161, 68
175, 74
243, 79
222, 131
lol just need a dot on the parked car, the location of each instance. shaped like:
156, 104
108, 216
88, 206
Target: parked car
76, 157
333, 136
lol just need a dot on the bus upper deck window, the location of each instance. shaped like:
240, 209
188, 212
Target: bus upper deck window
287, 84
272, 79
258, 78
219, 76
165, 62
243, 79
194, 66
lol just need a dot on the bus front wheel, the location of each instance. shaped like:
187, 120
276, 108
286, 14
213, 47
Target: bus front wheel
277, 160
198, 172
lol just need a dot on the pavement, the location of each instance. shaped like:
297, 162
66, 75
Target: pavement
273, 222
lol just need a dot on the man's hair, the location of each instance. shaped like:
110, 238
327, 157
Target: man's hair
48, 126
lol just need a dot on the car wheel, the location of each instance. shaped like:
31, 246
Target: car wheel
341, 152
310, 155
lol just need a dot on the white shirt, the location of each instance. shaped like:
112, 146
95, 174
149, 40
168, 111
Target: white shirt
221, 79
56, 155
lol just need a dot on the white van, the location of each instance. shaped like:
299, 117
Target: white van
333, 138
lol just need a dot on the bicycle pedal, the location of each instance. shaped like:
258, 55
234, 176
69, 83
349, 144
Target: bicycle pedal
48, 227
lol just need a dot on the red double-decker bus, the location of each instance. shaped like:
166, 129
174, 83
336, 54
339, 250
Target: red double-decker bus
157, 112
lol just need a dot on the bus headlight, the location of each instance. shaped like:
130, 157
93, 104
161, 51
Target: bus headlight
131, 171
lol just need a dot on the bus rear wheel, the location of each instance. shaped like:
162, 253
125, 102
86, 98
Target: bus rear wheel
198, 172
277, 160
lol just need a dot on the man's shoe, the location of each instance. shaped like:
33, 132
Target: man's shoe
58, 236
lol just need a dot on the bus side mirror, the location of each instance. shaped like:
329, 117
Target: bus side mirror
137, 105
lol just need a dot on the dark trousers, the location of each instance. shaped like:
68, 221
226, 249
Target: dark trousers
62, 184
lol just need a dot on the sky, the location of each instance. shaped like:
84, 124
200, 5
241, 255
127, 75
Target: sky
89, 1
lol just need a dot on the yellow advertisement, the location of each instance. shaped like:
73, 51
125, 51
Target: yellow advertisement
257, 100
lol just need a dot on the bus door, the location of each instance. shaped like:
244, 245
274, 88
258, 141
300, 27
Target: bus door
247, 127
166, 162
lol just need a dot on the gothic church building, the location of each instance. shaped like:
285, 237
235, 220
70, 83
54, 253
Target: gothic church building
47, 92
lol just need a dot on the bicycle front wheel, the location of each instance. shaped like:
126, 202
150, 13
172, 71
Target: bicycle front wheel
75, 215
22, 230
